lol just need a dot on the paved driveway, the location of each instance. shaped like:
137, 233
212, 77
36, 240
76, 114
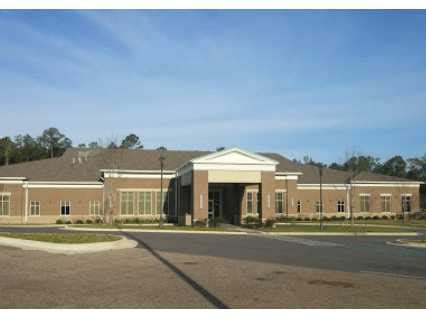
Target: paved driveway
188, 270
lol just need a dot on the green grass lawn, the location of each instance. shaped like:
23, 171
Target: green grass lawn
330, 228
179, 228
62, 237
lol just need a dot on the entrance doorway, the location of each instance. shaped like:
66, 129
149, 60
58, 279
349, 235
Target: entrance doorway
215, 203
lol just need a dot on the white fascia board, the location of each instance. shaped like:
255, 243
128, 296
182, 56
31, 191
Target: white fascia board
387, 182
63, 185
136, 171
285, 173
13, 178
233, 167
139, 175
11, 181
209, 158
389, 185
289, 177
325, 186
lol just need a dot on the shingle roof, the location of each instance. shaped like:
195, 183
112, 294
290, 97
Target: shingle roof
68, 168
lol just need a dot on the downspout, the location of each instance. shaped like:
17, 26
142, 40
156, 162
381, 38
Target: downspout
26, 203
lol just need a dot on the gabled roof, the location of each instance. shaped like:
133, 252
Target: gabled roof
69, 168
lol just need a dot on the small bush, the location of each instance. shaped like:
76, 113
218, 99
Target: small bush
88, 221
68, 222
118, 221
307, 219
200, 223
314, 219
136, 220
359, 218
269, 222
251, 220
60, 221
99, 221
376, 217
299, 219
79, 221
385, 217
325, 218
367, 218
333, 218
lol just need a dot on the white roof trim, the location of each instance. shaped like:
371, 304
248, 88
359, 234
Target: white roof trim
387, 182
136, 171
13, 178
210, 158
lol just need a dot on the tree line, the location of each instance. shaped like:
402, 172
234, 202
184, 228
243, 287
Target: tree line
52, 143
397, 166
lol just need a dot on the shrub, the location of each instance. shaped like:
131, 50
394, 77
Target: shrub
307, 219
200, 223
314, 219
376, 217
68, 222
269, 222
136, 220
367, 218
79, 221
251, 220
299, 219
88, 221
60, 221
325, 218
99, 220
385, 217
333, 218
117, 221
359, 218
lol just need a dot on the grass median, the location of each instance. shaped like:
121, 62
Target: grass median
331, 228
141, 227
69, 238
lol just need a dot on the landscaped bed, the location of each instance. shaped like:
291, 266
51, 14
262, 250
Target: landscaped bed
332, 228
66, 238
141, 227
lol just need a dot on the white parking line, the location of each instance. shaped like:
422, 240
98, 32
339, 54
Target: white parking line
306, 242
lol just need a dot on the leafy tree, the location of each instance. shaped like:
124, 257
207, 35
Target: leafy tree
336, 166
132, 141
417, 168
6, 149
112, 145
94, 145
54, 142
395, 166
82, 145
361, 163
308, 160
220, 149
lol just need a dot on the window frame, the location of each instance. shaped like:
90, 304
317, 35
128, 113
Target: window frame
363, 204
64, 203
299, 206
2, 201
278, 201
319, 207
250, 194
37, 206
340, 206
130, 203
94, 204
404, 201
385, 199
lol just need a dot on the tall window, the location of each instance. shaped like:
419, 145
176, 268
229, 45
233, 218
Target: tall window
34, 208
299, 206
94, 207
279, 202
406, 203
365, 203
258, 202
318, 207
65, 207
386, 203
4, 204
340, 206
250, 204
144, 202
127, 203
161, 203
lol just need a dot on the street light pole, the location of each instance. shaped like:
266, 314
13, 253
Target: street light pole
321, 205
161, 159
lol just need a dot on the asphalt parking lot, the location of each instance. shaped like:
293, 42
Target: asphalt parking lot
219, 271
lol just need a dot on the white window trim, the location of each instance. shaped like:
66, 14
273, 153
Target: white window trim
39, 208
8, 194
297, 206
283, 202
60, 208
366, 195
384, 195
254, 203
341, 202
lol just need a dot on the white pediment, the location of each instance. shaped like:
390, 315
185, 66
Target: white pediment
234, 156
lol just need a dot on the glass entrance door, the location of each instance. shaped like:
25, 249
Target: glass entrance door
214, 203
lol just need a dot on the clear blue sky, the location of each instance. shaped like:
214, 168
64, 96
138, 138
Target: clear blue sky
323, 83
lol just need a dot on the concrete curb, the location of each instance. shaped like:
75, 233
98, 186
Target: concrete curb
399, 243
156, 231
348, 224
68, 249
30, 226
391, 234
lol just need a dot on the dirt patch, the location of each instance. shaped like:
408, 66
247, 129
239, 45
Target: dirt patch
339, 284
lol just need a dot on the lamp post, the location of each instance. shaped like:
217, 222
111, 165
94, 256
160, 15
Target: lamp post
161, 159
321, 205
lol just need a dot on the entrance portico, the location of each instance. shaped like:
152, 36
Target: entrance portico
216, 183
